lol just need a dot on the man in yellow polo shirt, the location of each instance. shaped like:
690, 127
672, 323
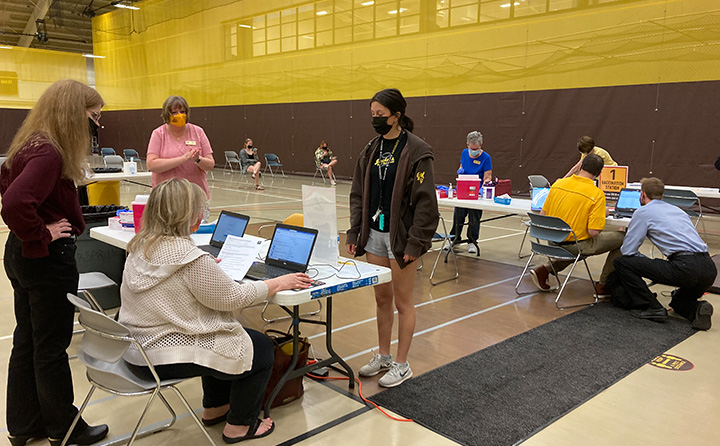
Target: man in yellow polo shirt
581, 205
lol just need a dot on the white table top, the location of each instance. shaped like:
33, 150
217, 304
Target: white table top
120, 176
520, 206
350, 278
702, 192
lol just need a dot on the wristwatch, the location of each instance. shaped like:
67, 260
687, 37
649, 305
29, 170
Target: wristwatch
197, 161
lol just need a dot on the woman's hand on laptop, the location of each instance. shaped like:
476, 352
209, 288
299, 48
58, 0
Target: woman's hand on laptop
288, 282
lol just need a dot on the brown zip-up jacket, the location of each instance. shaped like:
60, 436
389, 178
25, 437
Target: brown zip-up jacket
414, 208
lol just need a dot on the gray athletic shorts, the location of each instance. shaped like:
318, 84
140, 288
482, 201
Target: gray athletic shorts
379, 244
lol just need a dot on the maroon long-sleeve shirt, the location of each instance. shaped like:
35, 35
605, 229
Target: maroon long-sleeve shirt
34, 194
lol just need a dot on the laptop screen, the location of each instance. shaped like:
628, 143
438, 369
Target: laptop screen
229, 223
539, 194
629, 199
291, 245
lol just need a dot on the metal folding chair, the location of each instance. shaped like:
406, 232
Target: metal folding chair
105, 151
319, 169
231, 158
553, 230
535, 181
272, 160
685, 200
104, 343
444, 240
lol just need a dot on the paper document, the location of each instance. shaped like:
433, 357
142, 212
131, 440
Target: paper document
238, 254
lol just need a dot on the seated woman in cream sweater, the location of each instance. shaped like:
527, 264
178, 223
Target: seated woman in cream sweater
179, 305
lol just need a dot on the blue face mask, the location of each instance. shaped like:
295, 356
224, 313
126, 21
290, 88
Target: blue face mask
474, 153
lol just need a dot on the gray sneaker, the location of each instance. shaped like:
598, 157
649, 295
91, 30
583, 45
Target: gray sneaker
398, 374
376, 365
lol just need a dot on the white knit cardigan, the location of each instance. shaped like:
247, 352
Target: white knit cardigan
179, 306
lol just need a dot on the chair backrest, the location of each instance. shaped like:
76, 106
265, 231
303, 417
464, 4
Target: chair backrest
114, 161
105, 151
130, 153
231, 156
550, 229
538, 181
680, 197
295, 219
271, 157
104, 339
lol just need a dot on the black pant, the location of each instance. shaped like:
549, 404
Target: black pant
473, 230
40, 388
692, 274
244, 392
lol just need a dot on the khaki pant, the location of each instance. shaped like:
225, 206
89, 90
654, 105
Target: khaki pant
606, 241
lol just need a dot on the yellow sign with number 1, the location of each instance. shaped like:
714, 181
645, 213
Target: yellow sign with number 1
613, 179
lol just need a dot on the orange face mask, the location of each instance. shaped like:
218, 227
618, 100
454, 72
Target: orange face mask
178, 120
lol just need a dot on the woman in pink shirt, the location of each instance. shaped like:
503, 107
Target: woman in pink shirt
179, 149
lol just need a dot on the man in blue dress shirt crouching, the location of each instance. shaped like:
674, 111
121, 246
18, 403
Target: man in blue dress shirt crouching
688, 265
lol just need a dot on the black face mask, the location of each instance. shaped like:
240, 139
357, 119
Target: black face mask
250, 146
93, 134
380, 124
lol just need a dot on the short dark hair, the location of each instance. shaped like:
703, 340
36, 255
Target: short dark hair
593, 164
653, 187
395, 102
171, 102
585, 144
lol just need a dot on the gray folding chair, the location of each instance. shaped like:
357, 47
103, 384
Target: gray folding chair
685, 200
444, 240
553, 230
319, 169
114, 161
103, 346
535, 181
231, 158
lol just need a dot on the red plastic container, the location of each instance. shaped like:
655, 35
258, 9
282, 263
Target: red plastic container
138, 209
468, 189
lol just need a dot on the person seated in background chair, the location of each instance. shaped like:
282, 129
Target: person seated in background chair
473, 161
179, 305
688, 265
586, 145
326, 160
250, 162
581, 205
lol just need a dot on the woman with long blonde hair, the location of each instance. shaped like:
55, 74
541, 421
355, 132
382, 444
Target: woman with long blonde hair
179, 303
40, 206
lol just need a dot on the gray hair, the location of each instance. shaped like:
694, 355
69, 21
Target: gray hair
475, 137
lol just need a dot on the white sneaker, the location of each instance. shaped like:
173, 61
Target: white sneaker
447, 245
398, 374
377, 364
472, 249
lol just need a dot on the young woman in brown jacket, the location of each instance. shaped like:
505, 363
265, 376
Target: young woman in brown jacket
393, 217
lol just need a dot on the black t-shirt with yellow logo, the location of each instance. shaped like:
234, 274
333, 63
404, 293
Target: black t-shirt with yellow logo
382, 178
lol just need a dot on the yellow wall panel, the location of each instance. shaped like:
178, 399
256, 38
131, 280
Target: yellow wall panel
170, 47
33, 71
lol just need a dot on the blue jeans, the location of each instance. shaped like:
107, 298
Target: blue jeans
243, 392
40, 388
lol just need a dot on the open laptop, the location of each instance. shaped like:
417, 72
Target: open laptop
627, 202
539, 195
289, 252
228, 223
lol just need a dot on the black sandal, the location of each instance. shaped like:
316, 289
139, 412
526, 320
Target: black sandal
250, 433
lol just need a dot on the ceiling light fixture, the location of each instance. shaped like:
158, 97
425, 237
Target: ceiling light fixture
124, 6
93, 56
245, 26
367, 3
396, 11
321, 13
4, 47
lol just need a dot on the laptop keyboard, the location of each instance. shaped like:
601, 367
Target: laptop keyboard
269, 271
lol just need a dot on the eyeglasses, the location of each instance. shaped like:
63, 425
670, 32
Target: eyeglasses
95, 115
